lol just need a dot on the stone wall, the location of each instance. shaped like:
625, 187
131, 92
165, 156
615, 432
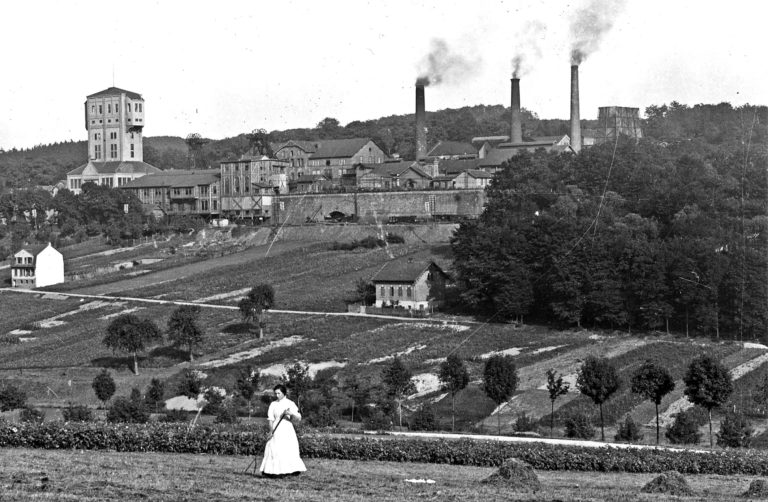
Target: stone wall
377, 207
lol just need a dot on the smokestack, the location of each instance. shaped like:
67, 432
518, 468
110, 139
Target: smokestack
421, 122
517, 128
575, 119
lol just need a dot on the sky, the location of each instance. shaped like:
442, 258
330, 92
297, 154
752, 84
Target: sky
224, 68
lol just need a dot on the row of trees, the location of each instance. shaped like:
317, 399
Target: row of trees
132, 334
637, 236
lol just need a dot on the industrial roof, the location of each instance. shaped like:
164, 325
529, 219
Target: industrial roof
115, 91
456, 166
307, 146
338, 148
490, 139
117, 166
452, 148
176, 178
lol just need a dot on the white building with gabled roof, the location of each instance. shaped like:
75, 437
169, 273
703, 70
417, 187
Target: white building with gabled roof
37, 266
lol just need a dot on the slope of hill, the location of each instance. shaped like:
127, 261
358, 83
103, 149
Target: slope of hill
51, 344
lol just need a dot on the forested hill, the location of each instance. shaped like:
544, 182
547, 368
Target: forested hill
709, 127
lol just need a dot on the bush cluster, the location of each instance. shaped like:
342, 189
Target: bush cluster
239, 440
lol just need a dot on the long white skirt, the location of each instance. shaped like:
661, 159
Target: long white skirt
281, 455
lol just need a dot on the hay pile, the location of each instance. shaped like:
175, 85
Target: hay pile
515, 474
757, 489
671, 482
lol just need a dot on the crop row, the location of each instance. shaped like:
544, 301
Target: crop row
221, 440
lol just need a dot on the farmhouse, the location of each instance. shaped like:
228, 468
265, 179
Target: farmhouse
37, 266
410, 284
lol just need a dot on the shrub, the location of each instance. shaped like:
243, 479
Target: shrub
12, 398
394, 238
579, 426
628, 431
524, 423
319, 416
104, 386
124, 409
77, 413
175, 416
227, 413
423, 419
735, 431
32, 415
685, 428
377, 420
371, 242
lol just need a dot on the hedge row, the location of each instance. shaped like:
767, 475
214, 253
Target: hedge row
227, 440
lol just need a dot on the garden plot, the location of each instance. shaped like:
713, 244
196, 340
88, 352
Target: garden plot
398, 354
224, 296
126, 311
278, 370
512, 351
54, 321
255, 352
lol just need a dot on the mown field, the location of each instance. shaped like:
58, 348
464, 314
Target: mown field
35, 475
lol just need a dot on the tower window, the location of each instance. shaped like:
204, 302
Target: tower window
101, 109
109, 108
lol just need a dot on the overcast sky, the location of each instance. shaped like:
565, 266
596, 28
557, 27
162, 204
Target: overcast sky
227, 67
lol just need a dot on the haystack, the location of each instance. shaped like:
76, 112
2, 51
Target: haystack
671, 482
515, 474
757, 489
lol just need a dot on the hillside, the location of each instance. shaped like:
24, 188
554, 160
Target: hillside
51, 343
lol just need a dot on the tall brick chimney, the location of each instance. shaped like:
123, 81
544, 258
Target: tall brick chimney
516, 135
575, 118
421, 123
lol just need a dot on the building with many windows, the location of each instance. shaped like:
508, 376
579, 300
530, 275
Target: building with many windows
174, 192
114, 119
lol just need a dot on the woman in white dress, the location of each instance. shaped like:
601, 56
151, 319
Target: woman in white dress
281, 455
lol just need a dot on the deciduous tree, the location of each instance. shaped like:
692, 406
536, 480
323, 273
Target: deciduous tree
653, 382
598, 380
454, 376
499, 381
129, 333
397, 378
556, 388
259, 299
183, 329
104, 386
707, 384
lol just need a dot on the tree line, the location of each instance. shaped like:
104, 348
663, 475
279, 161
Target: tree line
637, 236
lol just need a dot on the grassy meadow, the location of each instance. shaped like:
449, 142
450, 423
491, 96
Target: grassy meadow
34, 475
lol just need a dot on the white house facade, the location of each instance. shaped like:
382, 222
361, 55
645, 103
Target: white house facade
35, 267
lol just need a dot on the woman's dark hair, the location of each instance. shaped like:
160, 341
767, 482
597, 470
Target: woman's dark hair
281, 387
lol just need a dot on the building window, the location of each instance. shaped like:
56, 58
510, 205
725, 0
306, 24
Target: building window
101, 109
131, 150
408, 292
113, 151
97, 152
117, 108
129, 107
400, 291
391, 291
93, 108
383, 293
109, 108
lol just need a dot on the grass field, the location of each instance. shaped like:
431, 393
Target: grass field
34, 475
